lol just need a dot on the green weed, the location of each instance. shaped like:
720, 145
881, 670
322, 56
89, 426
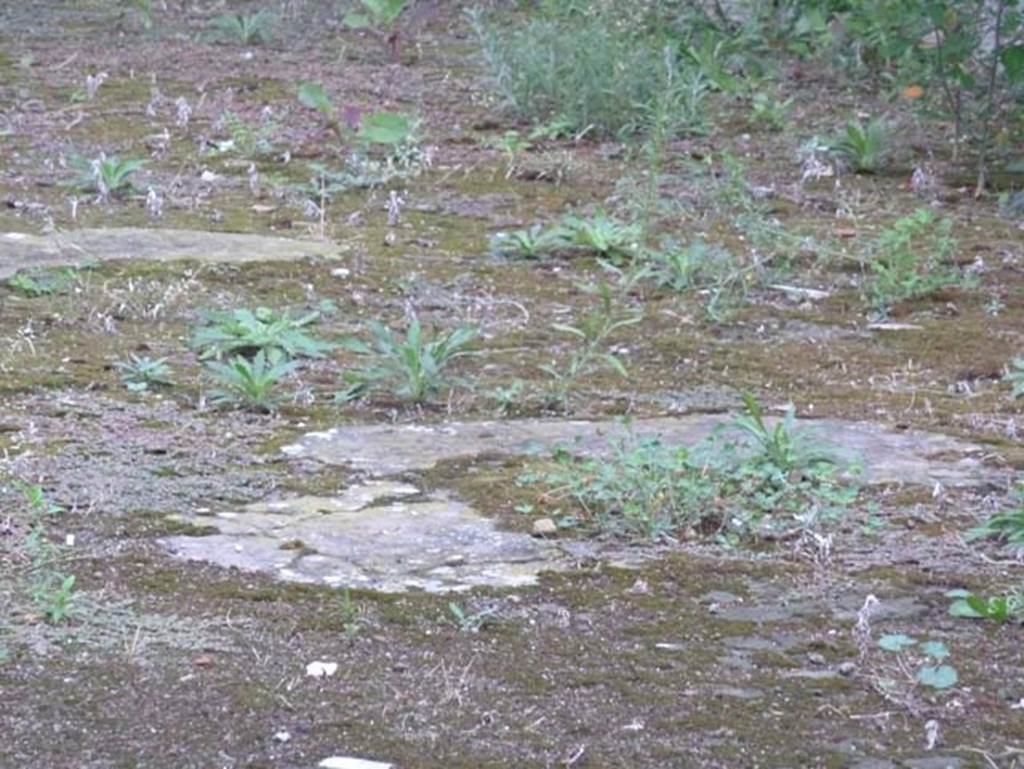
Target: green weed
139, 373
251, 384
591, 338
911, 259
1015, 376
922, 661
863, 147
533, 243
412, 368
106, 176
469, 622
243, 28
246, 332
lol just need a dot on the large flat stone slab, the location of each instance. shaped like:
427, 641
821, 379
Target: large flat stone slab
19, 251
886, 455
381, 535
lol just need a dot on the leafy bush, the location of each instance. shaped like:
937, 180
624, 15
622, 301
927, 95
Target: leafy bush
247, 332
588, 73
248, 383
412, 368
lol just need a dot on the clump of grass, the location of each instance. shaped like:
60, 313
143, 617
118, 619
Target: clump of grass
863, 147
106, 176
590, 74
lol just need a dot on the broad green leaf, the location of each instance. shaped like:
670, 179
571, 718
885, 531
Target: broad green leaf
896, 642
961, 608
935, 649
937, 677
385, 128
312, 95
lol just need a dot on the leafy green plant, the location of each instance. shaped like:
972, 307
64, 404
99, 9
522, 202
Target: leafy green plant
590, 353
911, 259
106, 176
136, 10
768, 112
863, 147
640, 487
607, 237
381, 128
139, 373
50, 589
533, 243
379, 16
349, 614
923, 659
593, 75
1015, 376
37, 283
1006, 525
245, 139
243, 28
999, 608
783, 446
469, 622
413, 367
251, 384
246, 332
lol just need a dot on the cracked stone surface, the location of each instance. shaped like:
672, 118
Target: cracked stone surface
381, 535
19, 251
887, 455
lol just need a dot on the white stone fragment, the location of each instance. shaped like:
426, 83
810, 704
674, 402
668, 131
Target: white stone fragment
344, 762
321, 669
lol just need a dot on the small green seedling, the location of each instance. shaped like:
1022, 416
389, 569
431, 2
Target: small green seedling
467, 622
106, 176
925, 657
1015, 376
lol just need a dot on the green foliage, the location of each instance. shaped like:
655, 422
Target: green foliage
246, 140
137, 10
911, 259
384, 129
37, 283
1006, 526
533, 243
998, 608
469, 622
606, 237
411, 368
105, 176
591, 337
772, 479
247, 332
349, 614
50, 589
769, 113
251, 384
1015, 376
243, 28
139, 373
698, 266
863, 147
588, 73
641, 487
376, 14
924, 660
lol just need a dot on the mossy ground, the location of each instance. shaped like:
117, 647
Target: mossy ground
602, 667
